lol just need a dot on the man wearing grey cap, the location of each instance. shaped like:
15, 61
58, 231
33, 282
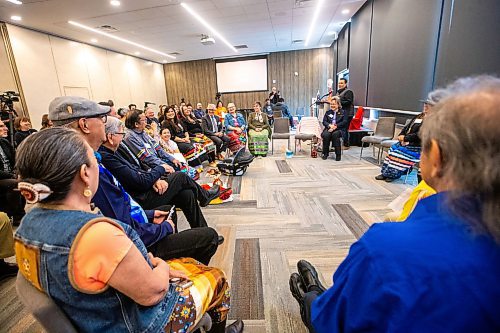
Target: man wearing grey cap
89, 118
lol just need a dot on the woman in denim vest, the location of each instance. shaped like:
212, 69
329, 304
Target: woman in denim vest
96, 269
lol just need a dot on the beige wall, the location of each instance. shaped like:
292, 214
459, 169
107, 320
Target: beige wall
49, 66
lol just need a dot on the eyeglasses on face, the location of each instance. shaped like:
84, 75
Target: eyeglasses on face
103, 117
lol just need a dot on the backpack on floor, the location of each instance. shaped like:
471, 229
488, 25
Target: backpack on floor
236, 165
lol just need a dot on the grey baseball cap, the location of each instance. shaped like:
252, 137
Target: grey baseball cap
65, 109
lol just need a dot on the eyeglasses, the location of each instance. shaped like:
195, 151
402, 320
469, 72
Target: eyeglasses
103, 117
119, 133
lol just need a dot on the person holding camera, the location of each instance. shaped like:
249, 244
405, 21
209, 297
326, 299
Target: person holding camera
274, 95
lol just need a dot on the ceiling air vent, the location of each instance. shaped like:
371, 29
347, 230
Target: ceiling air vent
107, 28
297, 41
242, 46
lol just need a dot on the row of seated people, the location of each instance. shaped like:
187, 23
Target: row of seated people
190, 132
121, 262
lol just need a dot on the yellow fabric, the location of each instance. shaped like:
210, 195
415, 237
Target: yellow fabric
421, 191
28, 260
6, 237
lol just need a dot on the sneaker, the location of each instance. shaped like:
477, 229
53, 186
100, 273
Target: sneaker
324, 157
380, 177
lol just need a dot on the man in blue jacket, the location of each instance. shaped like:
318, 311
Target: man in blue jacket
89, 118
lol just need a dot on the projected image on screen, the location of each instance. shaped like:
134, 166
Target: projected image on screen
244, 75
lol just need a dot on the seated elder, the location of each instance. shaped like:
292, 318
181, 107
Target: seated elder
196, 135
143, 146
259, 131
334, 121
95, 267
403, 155
193, 154
438, 270
212, 127
235, 128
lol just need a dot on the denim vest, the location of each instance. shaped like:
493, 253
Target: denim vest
43, 250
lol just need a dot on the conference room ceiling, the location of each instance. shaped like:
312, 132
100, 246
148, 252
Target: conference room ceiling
164, 25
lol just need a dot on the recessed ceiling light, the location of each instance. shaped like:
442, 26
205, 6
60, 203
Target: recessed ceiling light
137, 53
16, 18
119, 39
345, 11
115, 3
324, 45
208, 26
313, 22
93, 40
15, 2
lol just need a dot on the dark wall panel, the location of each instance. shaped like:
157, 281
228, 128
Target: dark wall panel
469, 40
335, 47
404, 41
343, 49
359, 52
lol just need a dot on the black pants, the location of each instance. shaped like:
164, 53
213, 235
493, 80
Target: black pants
345, 132
184, 193
221, 142
309, 297
200, 244
328, 138
11, 202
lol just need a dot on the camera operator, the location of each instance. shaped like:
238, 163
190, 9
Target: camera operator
274, 95
11, 202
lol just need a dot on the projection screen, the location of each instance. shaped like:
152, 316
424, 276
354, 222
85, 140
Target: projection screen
241, 75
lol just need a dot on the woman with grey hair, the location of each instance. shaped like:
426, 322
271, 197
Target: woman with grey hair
96, 267
437, 271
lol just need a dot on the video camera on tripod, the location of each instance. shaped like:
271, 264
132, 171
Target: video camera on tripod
7, 111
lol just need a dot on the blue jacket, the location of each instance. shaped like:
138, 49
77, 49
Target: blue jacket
229, 121
110, 200
430, 273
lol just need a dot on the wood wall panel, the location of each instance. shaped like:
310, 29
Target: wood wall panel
196, 80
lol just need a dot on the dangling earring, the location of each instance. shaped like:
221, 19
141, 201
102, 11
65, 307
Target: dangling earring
87, 192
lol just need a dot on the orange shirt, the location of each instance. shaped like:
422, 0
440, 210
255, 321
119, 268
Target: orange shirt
99, 250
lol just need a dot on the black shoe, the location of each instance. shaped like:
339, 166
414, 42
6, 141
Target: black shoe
380, 177
324, 157
298, 290
309, 276
220, 240
338, 157
389, 180
297, 287
7, 270
211, 195
236, 327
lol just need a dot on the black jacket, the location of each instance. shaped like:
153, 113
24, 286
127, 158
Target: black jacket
208, 128
19, 136
347, 100
340, 119
411, 131
11, 156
